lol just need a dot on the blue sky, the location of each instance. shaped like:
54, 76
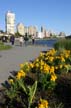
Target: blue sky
54, 15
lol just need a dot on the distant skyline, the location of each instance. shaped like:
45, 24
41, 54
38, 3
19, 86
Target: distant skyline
54, 15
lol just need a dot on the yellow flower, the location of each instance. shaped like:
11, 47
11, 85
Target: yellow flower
62, 59
43, 103
26, 63
31, 65
57, 57
53, 77
37, 65
46, 68
41, 62
66, 66
21, 71
37, 60
11, 81
60, 66
52, 69
20, 74
41, 106
51, 59
41, 68
52, 52
66, 55
46, 58
56, 67
41, 54
21, 65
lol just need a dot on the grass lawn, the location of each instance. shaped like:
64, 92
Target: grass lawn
4, 47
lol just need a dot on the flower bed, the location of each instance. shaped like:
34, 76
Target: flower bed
34, 85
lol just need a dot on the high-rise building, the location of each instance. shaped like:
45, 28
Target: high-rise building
21, 29
32, 30
62, 34
10, 22
43, 30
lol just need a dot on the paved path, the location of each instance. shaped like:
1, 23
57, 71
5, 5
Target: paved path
10, 59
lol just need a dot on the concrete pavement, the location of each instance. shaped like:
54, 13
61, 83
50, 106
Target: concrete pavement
11, 59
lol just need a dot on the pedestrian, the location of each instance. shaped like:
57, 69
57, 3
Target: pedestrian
26, 39
33, 39
21, 40
4, 38
12, 39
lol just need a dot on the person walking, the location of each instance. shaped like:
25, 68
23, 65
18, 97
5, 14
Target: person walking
26, 38
33, 39
21, 40
12, 39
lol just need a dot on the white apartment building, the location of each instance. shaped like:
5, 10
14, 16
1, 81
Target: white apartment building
10, 22
21, 29
32, 30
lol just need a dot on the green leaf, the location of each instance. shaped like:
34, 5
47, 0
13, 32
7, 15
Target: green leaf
22, 85
32, 91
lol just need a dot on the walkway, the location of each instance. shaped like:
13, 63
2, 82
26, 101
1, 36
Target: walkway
11, 59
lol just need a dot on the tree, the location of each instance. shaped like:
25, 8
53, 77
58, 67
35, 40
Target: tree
17, 34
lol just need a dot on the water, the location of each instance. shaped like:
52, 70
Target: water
49, 42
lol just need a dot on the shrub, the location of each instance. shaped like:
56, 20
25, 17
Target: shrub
63, 44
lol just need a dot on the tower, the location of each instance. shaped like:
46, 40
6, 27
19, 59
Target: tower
10, 22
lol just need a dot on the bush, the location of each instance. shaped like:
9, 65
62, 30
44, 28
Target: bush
63, 89
63, 44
